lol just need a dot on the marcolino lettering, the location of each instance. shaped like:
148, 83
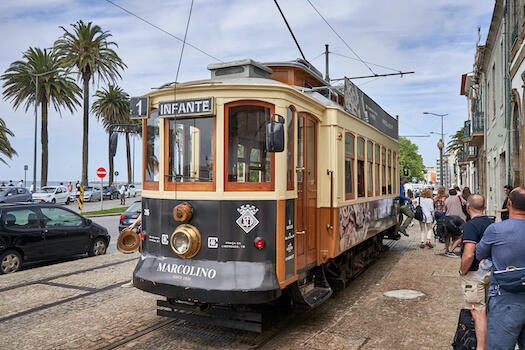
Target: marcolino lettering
187, 270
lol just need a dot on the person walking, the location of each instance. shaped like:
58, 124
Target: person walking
427, 206
504, 210
466, 193
439, 203
404, 209
70, 187
454, 207
21, 183
505, 243
122, 194
475, 291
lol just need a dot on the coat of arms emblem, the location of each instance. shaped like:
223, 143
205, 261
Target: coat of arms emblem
247, 221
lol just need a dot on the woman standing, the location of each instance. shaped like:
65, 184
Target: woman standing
427, 204
439, 203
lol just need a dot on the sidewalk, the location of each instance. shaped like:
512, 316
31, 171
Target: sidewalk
362, 317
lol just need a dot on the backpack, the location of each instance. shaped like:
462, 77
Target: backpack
418, 212
465, 337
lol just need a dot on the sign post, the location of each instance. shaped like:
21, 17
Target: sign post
101, 172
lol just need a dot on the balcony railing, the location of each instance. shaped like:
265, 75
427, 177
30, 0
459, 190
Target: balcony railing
466, 130
462, 157
478, 122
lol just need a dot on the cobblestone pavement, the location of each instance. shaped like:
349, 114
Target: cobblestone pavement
55, 307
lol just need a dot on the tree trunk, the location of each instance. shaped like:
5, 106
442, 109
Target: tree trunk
84, 181
128, 156
44, 141
111, 169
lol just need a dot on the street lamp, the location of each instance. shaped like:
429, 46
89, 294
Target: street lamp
442, 144
36, 107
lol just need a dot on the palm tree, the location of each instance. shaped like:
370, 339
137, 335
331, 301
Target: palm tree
112, 107
88, 49
5, 145
456, 142
54, 87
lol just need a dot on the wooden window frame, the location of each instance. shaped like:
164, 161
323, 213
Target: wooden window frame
351, 156
188, 186
148, 185
377, 169
290, 143
361, 186
389, 171
370, 166
246, 186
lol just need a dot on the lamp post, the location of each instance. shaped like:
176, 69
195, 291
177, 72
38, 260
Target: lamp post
37, 75
440, 145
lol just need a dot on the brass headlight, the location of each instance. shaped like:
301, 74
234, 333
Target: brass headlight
186, 241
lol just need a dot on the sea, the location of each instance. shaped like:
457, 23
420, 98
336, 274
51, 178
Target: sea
65, 183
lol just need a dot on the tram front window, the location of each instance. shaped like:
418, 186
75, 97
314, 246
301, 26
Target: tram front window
248, 160
191, 150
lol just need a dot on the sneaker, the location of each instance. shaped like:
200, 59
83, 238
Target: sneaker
451, 255
422, 245
403, 231
430, 245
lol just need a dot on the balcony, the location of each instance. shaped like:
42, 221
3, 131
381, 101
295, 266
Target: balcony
462, 158
472, 153
474, 130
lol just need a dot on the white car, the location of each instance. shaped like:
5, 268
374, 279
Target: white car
131, 191
52, 194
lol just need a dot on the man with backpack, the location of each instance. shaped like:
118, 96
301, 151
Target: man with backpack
475, 290
505, 242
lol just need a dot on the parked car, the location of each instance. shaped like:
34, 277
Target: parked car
130, 215
15, 194
34, 231
90, 194
110, 192
52, 194
131, 191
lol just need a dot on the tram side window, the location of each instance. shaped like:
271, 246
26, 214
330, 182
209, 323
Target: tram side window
394, 173
152, 148
378, 169
191, 149
369, 174
248, 160
389, 172
360, 167
383, 177
349, 166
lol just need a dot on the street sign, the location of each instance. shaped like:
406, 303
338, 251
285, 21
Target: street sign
414, 179
138, 107
101, 172
116, 173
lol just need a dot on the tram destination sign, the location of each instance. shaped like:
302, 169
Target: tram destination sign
201, 106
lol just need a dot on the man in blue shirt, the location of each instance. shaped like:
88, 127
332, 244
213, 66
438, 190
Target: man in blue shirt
505, 242
475, 290
404, 209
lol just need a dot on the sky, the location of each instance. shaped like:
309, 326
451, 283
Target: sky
435, 39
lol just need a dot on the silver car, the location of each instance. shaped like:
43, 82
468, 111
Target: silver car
52, 194
15, 194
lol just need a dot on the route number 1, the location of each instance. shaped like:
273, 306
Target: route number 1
138, 107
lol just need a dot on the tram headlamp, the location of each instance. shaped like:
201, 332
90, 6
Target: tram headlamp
186, 241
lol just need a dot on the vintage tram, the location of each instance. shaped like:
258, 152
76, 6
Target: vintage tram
260, 181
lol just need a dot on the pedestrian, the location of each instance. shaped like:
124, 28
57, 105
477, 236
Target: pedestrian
32, 188
466, 193
454, 205
475, 291
505, 243
439, 203
427, 205
122, 194
77, 192
404, 209
504, 210
70, 187
21, 183
11, 183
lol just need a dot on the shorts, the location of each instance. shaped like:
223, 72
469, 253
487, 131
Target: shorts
475, 291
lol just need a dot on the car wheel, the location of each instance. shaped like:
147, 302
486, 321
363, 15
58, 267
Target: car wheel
54, 201
98, 247
10, 262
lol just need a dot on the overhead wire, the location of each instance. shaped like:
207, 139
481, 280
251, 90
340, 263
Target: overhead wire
162, 30
339, 36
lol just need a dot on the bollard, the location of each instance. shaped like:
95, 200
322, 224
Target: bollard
81, 198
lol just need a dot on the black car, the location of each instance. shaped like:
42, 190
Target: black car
31, 232
129, 216
110, 192
15, 194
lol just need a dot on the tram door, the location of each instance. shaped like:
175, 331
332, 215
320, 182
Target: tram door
306, 204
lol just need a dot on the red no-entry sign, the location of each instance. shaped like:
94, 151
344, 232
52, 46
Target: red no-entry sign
101, 172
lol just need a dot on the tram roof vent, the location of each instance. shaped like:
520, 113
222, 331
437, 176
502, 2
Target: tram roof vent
246, 68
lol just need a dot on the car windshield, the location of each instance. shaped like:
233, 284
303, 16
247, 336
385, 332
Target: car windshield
46, 190
135, 207
2, 191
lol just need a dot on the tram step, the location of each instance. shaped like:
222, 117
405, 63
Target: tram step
317, 296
